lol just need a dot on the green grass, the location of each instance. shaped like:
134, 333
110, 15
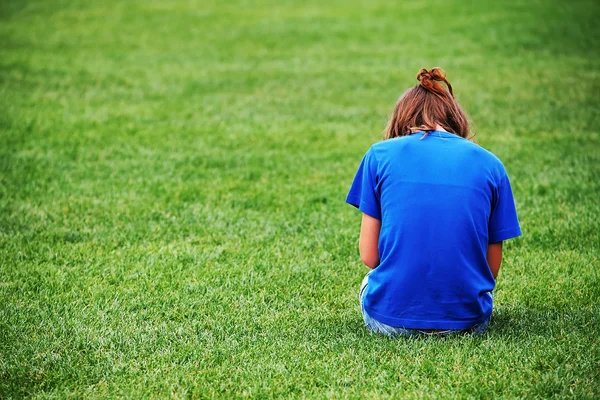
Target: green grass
172, 185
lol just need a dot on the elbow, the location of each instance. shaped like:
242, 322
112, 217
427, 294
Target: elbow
370, 260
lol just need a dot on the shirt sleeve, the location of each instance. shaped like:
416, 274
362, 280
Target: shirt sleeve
363, 193
504, 223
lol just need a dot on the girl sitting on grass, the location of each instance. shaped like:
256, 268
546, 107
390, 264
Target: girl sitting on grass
436, 208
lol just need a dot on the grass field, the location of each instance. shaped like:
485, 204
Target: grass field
172, 185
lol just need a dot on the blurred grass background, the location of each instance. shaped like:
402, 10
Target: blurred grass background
172, 184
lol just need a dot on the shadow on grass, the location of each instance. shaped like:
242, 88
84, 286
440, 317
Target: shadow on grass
510, 322
545, 321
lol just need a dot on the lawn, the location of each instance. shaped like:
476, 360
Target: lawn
172, 186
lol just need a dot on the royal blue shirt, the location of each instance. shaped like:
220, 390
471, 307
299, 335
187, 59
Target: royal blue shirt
441, 200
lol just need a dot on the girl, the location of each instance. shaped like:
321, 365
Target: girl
436, 208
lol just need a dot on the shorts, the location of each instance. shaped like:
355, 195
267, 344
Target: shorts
379, 327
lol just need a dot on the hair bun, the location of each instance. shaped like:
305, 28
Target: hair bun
423, 74
428, 78
434, 74
437, 74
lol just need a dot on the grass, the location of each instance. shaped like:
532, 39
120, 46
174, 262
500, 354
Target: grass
172, 184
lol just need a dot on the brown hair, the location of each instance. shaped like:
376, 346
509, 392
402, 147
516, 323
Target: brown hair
426, 105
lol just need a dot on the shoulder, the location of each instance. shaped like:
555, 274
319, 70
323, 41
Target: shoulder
383, 148
485, 158
394, 142
494, 169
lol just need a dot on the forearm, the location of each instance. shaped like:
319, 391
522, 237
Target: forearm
371, 263
494, 257
369, 237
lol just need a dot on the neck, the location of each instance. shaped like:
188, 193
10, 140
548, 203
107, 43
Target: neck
440, 128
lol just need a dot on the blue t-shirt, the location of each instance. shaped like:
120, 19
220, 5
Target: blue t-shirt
441, 200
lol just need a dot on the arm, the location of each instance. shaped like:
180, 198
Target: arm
494, 257
369, 238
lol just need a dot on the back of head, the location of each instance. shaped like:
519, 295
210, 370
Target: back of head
426, 106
